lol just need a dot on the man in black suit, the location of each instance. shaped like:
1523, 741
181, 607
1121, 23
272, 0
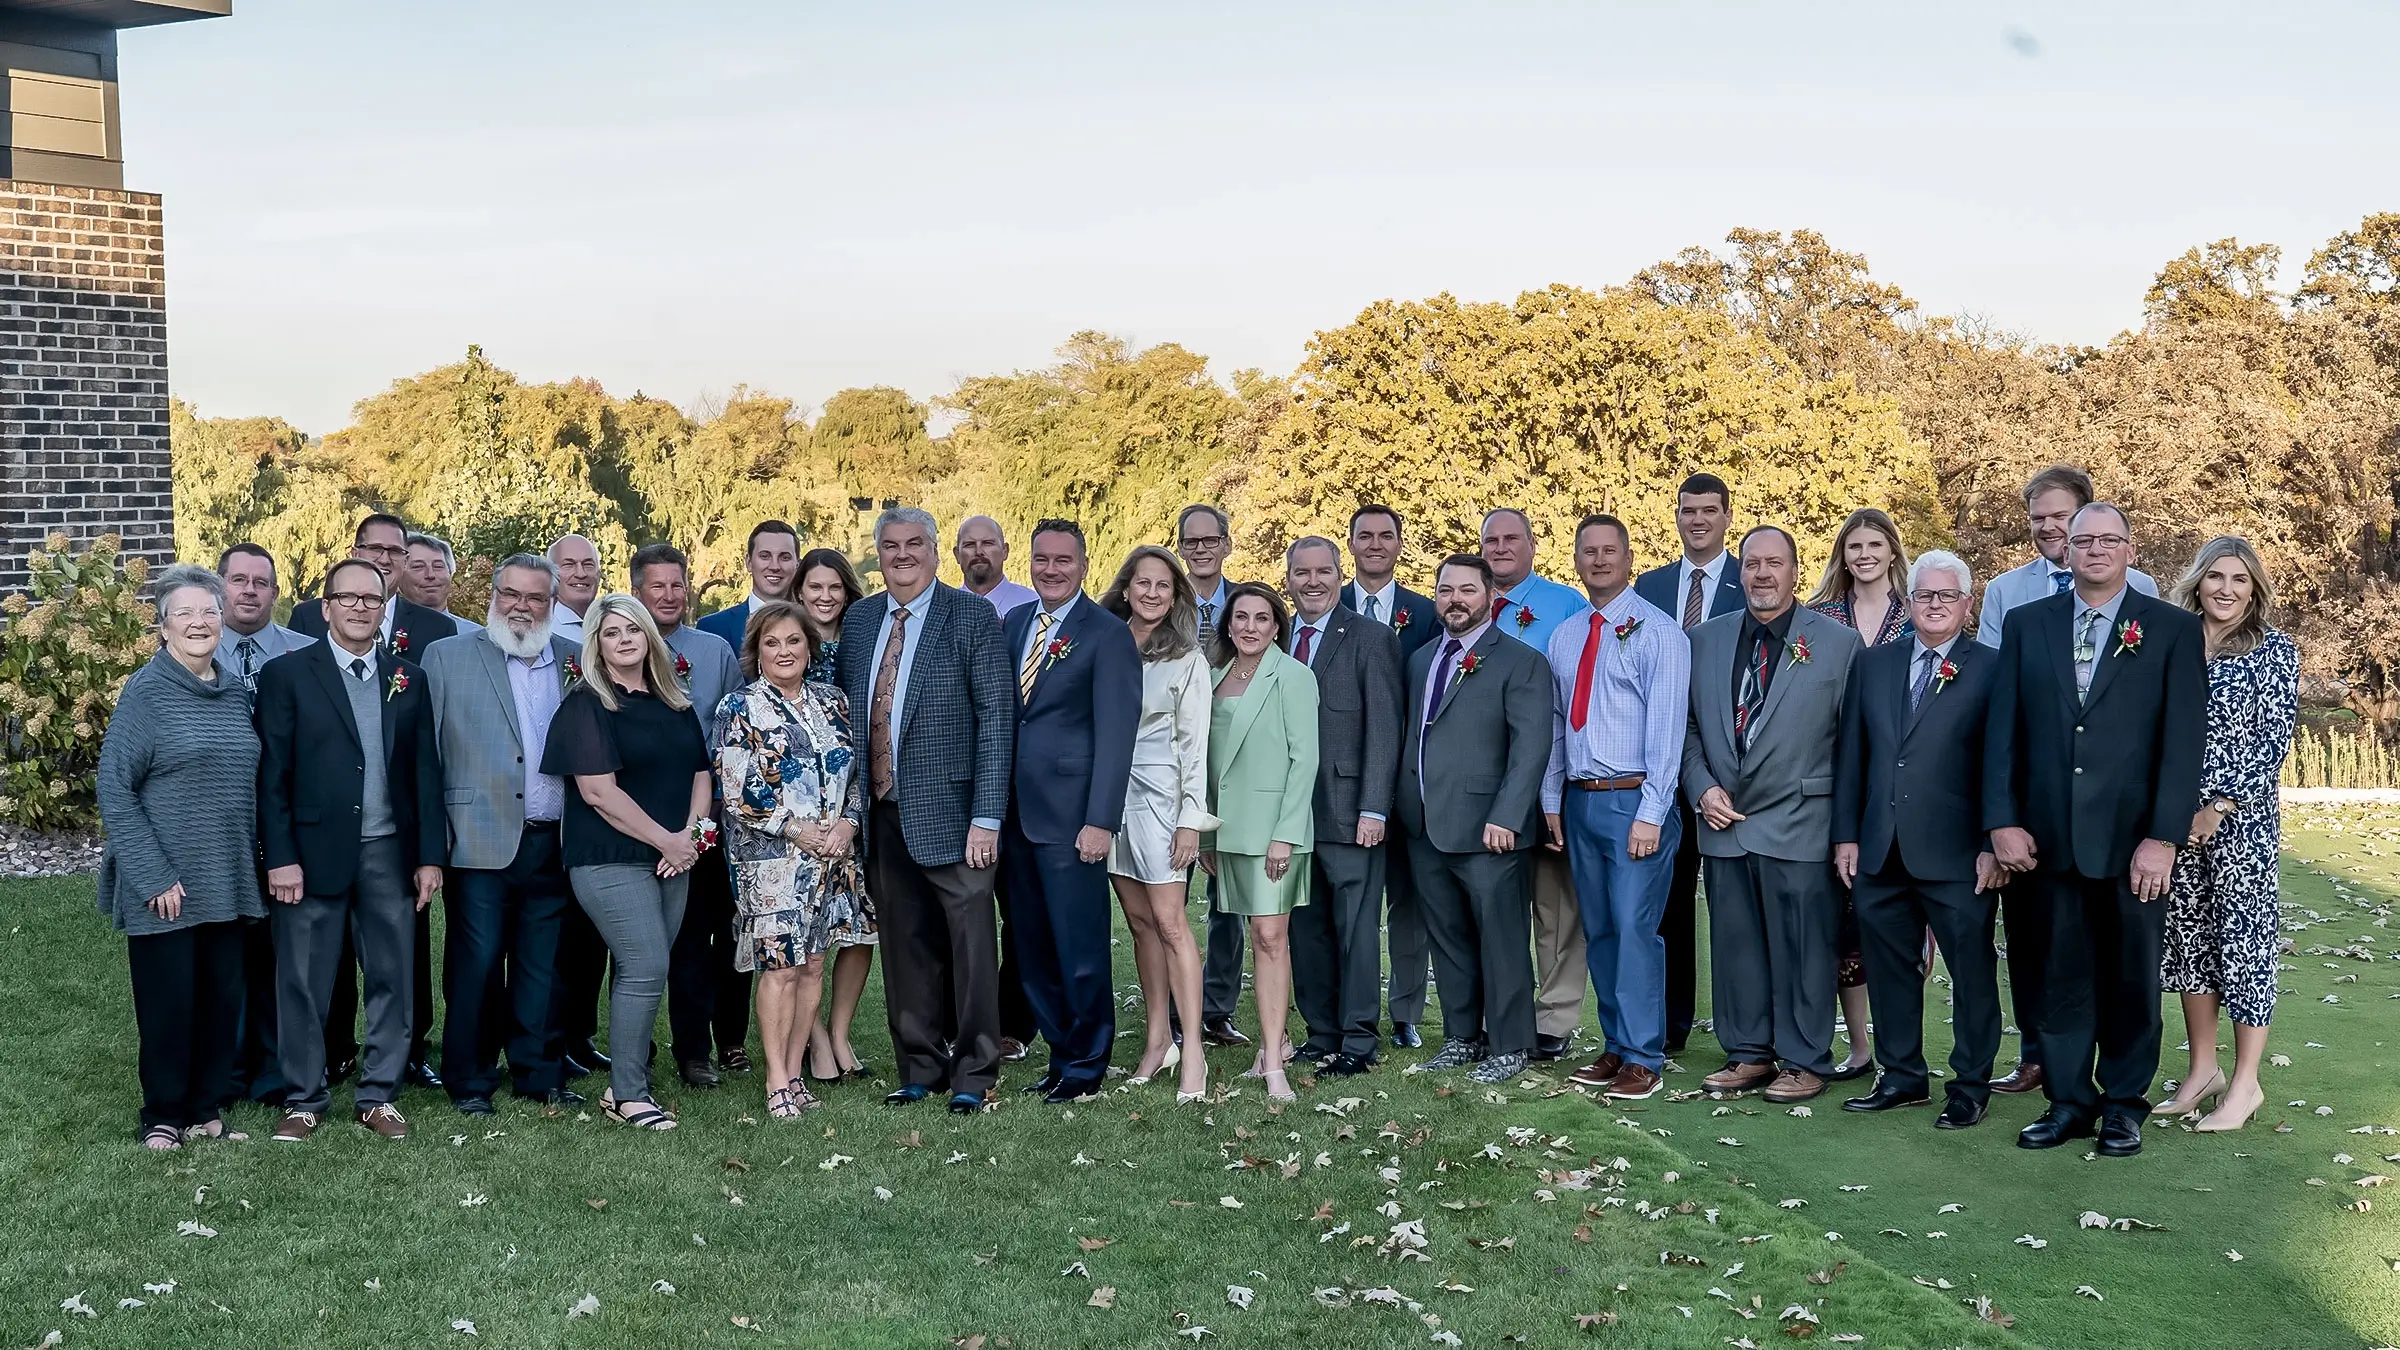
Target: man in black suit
933, 715
406, 631
1471, 772
1704, 583
1908, 840
1204, 540
2099, 716
1378, 596
1079, 706
350, 821
1337, 951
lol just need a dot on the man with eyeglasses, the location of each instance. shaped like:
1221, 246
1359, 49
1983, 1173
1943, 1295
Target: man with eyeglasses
2098, 721
1909, 842
1203, 538
407, 628
2052, 497
350, 822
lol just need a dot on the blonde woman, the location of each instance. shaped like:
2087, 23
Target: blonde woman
634, 825
2221, 935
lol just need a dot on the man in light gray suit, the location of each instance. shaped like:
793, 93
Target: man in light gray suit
494, 692
2052, 497
1758, 758
1337, 948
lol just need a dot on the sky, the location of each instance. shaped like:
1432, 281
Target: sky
682, 197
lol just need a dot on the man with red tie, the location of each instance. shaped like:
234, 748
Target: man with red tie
1623, 681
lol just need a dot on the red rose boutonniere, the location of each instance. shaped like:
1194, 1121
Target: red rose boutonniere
1627, 629
1799, 651
1944, 674
704, 833
683, 668
2129, 638
1468, 665
399, 642
1400, 621
397, 687
1060, 648
571, 673
1525, 618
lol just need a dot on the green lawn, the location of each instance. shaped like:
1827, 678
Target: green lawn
865, 1226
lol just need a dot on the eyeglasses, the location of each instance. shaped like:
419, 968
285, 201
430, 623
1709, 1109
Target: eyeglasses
187, 614
1937, 597
509, 595
2085, 543
1191, 543
354, 600
380, 550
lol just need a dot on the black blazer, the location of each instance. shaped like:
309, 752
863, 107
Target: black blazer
1658, 587
1359, 716
954, 732
1424, 621
1908, 787
312, 771
414, 627
1075, 735
1486, 750
2093, 779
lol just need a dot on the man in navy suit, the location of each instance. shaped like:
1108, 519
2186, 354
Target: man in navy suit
1702, 584
1378, 595
1079, 704
773, 558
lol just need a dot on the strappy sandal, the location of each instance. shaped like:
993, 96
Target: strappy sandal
639, 1115
802, 1098
162, 1139
781, 1104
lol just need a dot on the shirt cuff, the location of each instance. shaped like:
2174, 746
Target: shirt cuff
1376, 816
985, 823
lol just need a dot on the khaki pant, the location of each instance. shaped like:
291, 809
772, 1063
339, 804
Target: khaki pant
1558, 963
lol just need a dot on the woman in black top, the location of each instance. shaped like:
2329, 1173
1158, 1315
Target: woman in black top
634, 823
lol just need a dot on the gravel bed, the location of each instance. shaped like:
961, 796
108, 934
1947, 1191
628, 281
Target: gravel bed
27, 853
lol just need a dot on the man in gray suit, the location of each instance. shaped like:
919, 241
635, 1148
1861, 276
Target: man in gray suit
1758, 760
1337, 950
1471, 772
494, 692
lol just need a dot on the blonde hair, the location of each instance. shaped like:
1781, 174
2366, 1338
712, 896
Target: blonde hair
658, 665
1837, 582
2246, 633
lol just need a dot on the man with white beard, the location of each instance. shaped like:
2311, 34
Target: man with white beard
494, 693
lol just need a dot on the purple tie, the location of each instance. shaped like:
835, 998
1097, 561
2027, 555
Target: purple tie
1442, 663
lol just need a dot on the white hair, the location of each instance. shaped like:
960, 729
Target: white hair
1941, 560
910, 515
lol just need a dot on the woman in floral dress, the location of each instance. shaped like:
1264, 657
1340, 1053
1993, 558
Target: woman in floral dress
791, 785
827, 588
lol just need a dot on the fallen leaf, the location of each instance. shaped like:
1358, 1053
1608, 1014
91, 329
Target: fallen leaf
1229, 1202
1103, 1297
2029, 1240
1594, 1321
194, 1228
464, 1327
1093, 1244
1240, 1295
585, 1306
2089, 1292
597, 1202
662, 1287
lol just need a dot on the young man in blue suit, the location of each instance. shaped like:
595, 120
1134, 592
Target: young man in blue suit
773, 558
1377, 594
1079, 703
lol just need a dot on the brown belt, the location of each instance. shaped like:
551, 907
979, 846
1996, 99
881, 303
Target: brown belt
1625, 784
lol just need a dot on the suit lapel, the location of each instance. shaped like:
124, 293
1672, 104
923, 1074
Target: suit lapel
1480, 651
330, 675
2106, 658
1064, 631
936, 618
2061, 625
1246, 708
495, 664
384, 670
1789, 671
1334, 631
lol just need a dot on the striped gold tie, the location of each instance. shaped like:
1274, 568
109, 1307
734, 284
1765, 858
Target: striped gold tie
1033, 655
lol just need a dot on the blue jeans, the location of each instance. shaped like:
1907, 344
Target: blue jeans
1622, 899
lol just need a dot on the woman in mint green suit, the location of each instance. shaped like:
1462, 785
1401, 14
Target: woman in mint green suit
1262, 777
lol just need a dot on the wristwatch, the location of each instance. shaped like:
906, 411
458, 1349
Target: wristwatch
2224, 806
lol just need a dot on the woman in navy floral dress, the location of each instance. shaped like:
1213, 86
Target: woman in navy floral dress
2222, 933
791, 785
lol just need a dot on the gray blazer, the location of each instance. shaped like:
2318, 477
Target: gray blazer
482, 750
1359, 716
1485, 751
1784, 784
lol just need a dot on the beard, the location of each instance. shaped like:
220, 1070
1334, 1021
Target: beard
525, 646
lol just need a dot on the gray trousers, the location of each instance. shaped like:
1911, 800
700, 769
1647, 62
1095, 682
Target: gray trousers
1479, 912
1771, 926
1404, 920
638, 914
379, 913
1221, 971
1337, 962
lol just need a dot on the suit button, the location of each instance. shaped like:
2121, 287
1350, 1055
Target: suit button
521, 758
2079, 731
354, 810
2079, 769
1903, 764
520, 796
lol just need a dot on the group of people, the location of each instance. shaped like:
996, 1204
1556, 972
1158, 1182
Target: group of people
1511, 785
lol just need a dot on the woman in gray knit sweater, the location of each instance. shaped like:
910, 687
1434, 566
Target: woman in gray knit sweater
179, 802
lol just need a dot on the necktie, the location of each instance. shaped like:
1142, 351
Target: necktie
358, 668
1916, 691
1441, 681
1371, 614
2087, 653
1033, 655
1583, 673
1692, 599
1754, 693
1208, 622
247, 649
1301, 648
879, 712
2059, 581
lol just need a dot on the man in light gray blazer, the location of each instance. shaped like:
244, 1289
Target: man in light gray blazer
2052, 497
494, 692
1758, 759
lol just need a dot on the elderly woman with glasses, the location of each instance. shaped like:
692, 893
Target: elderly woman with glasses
178, 798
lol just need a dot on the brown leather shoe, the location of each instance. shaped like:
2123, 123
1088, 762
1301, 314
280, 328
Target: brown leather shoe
297, 1126
1634, 1082
1600, 1072
2023, 1078
1737, 1077
1794, 1085
1012, 1050
385, 1119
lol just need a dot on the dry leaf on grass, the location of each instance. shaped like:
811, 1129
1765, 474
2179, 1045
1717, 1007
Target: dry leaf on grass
464, 1327
585, 1306
1103, 1297
1240, 1295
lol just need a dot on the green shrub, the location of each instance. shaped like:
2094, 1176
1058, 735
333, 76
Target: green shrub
2334, 758
64, 657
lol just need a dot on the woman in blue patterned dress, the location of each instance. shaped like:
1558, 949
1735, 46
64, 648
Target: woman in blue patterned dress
791, 786
2222, 932
827, 588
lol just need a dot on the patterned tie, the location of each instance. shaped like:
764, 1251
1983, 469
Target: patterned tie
2087, 653
879, 712
2059, 581
1033, 655
1301, 648
1916, 691
1754, 694
1208, 625
1692, 599
247, 649
1583, 674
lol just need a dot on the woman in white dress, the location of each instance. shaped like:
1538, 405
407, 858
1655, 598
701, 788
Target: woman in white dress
1166, 805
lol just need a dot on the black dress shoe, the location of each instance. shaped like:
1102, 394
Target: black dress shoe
734, 1060
1404, 1035
1222, 1031
1888, 1098
965, 1103
583, 1059
2120, 1136
1044, 1085
1843, 1073
421, 1074
557, 1099
1548, 1047
2058, 1127
1067, 1092
907, 1094
475, 1106
1959, 1113
1341, 1064
700, 1074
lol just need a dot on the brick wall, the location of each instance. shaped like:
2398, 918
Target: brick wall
83, 371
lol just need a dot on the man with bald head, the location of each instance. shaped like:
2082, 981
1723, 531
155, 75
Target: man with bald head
578, 565
980, 550
582, 956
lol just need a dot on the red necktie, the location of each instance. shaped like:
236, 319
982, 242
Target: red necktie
1300, 648
1583, 675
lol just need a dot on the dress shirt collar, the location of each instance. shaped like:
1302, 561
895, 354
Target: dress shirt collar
542, 658
1713, 569
1216, 599
1618, 606
1940, 653
1777, 628
1467, 640
2108, 608
1386, 600
1058, 615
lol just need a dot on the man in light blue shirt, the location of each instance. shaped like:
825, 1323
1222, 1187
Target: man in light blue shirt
1529, 608
1623, 678
2051, 500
